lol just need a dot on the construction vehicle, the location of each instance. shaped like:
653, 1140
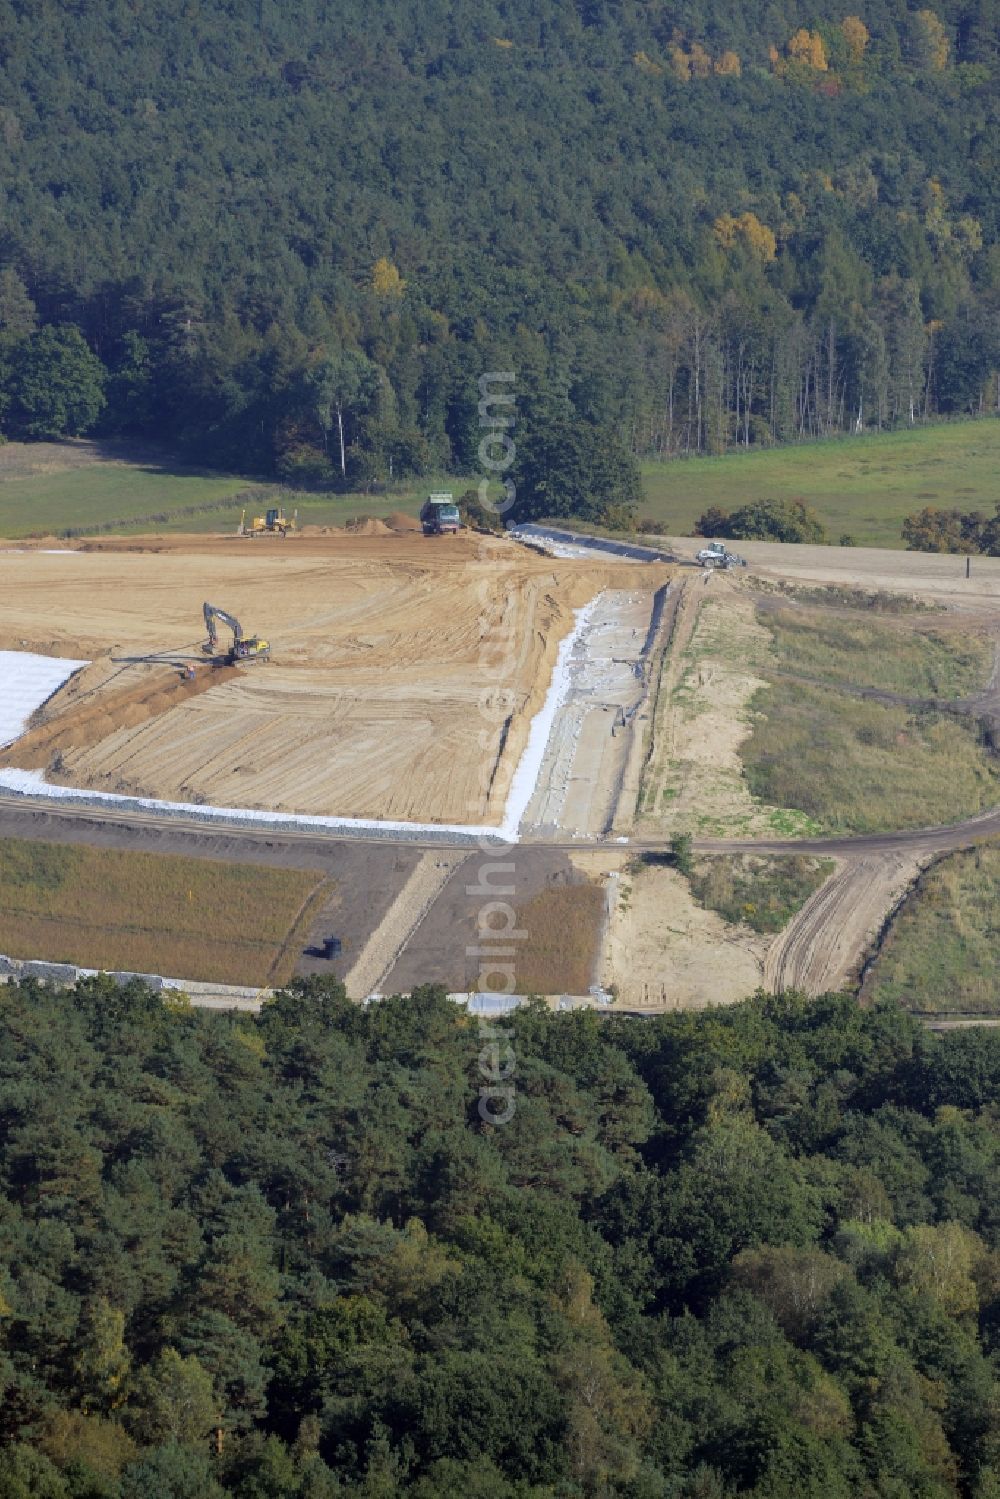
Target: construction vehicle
717, 555
273, 522
439, 515
243, 648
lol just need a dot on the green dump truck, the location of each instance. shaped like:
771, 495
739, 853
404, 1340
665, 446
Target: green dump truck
439, 515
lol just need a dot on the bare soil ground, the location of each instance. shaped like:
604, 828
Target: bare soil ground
694, 780
385, 645
926, 575
447, 946
664, 948
404, 670
822, 948
666, 952
378, 957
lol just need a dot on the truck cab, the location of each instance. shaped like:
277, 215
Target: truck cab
439, 515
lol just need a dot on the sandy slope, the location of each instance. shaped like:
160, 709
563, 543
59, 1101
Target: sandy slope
404, 673
667, 952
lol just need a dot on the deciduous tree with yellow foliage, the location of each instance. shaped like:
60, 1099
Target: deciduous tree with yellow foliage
808, 48
747, 231
728, 65
932, 45
386, 280
857, 36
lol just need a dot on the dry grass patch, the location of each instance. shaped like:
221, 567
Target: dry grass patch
836, 596
560, 952
153, 913
940, 954
863, 653
864, 767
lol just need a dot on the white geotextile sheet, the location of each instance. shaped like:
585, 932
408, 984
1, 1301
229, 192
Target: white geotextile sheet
26, 682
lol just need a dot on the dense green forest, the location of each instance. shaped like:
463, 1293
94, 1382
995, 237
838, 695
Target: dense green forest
753, 1251
292, 236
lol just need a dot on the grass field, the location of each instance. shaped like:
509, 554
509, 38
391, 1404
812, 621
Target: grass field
53, 488
857, 766
940, 954
59, 489
863, 486
152, 913
862, 653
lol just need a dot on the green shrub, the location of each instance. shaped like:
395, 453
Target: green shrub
764, 520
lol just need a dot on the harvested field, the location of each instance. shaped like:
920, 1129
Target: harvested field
403, 678
557, 905
153, 913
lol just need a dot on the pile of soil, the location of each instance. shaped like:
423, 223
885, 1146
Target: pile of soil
369, 527
397, 521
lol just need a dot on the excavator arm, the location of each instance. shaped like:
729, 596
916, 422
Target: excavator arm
243, 648
212, 613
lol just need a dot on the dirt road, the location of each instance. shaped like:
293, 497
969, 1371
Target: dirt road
937, 577
823, 946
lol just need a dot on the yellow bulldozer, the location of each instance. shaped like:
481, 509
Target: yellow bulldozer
273, 522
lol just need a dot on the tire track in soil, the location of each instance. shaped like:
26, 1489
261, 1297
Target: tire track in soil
824, 945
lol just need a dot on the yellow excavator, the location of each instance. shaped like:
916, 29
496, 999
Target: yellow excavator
273, 522
243, 648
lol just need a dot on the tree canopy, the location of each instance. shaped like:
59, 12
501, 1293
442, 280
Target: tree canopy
954, 530
765, 520
701, 227
751, 1251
